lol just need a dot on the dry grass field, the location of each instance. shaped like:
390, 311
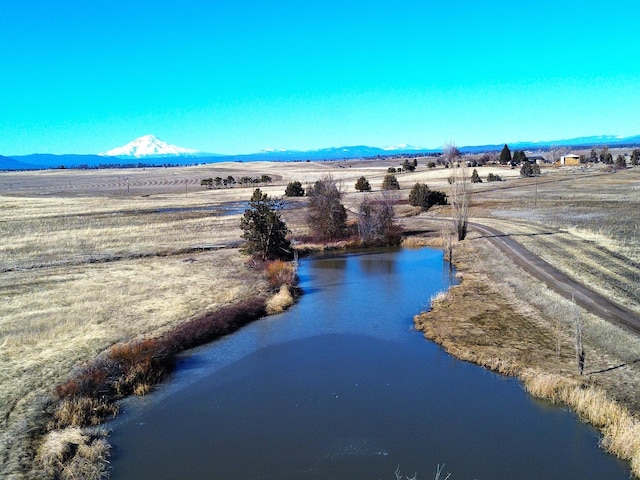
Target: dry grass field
92, 258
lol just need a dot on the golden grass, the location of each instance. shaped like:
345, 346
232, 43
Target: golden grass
279, 302
621, 430
60, 309
485, 320
72, 454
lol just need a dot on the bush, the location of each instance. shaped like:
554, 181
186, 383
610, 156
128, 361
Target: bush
475, 178
362, 185
294, 189
431, 165
391, 170
422, 196
493, 178
390, 182
280, 273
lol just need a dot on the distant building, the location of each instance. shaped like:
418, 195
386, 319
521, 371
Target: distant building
570, 159
537, 159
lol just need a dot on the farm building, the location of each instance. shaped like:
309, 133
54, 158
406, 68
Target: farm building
570, 160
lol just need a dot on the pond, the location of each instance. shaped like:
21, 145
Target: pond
342, 387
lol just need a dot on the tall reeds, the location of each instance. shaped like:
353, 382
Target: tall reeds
620, 429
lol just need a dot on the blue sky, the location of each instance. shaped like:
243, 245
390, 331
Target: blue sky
240, 76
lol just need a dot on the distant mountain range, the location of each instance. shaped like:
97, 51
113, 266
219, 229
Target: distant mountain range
150, 151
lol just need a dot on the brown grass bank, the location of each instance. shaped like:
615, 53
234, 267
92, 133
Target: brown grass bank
502, 319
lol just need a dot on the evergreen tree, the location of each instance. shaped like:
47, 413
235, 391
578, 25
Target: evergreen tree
519, 156
390, 182
263, 229
635, 157
362, 185
505, 155
294, 189
422, 196
408, 166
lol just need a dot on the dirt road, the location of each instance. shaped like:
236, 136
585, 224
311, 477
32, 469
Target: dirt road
559, 282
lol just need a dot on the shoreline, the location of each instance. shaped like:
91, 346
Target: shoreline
481, 321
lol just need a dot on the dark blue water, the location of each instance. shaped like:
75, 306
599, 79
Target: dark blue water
342, 387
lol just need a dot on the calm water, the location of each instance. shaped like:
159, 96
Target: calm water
342, 387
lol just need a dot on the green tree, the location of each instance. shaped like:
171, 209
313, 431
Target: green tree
327, 217
505, 155
294, 189
408, 166
475, 178
493, 178
519, 157
593, 156
422, 196
390, 182
263, 229
362, 185
621, 161
635, 157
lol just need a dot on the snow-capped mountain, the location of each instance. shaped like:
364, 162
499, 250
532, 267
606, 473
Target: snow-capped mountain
148, 146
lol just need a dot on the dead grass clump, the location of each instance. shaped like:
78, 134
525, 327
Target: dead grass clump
622, 438
280, 301
72, 454
550, 386
420, 242
139, 365
82, 411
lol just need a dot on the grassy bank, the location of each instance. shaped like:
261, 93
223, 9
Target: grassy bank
504, 320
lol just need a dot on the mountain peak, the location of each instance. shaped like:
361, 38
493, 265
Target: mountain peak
148, 146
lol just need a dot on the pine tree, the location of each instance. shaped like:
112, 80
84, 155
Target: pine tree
505, 155
263, 229
362, 185
390, 182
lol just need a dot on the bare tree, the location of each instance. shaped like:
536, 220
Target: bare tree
460, 191
376, 217
556, 152
327, 216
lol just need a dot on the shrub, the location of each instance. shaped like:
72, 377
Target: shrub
390, 182
431, 164
362, 185
206, 182
475, 178
493, 178
391, 170
280, 273
422, 196
294, 189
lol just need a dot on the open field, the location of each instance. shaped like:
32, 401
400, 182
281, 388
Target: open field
91, 258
